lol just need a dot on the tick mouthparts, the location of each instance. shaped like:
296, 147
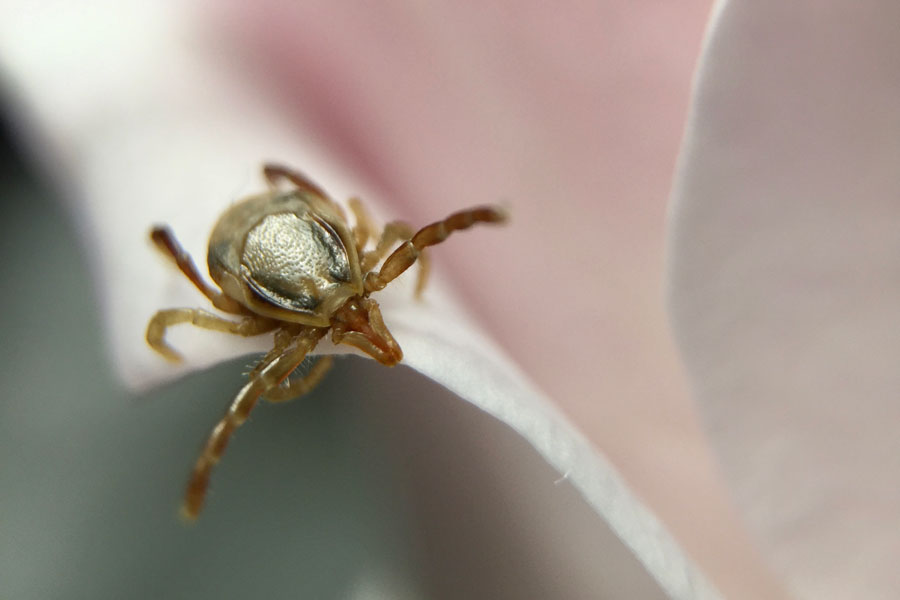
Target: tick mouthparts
359, 323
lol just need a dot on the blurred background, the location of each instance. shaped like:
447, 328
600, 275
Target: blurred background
379, 485
383, 485
572, 113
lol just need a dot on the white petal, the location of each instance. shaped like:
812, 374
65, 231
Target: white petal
785, 280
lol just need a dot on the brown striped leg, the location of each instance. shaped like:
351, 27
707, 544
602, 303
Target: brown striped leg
390, 235
393, 232
404, 256
266, 379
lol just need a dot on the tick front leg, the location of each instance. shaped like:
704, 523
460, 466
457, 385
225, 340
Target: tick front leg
403, 257
391, 234
267, 378
161, 321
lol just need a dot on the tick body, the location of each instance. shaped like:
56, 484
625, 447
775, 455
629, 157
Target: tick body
288, 262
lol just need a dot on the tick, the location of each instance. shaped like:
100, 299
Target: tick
287, 261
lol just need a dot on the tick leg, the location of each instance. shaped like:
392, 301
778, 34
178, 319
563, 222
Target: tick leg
156, 329
266, 379
393, 232
301, 385
390, 235
363, 227
274, 173
165, 240
404, 256
283, 338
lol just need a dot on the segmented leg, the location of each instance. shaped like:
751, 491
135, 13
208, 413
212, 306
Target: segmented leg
165, 240
404, 256
393, 232
273, 173
283, 338
363, 227
156, 329
301, 385
266, 379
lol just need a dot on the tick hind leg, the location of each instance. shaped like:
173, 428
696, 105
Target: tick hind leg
267, 377
162, 320
404, 256
168, 245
